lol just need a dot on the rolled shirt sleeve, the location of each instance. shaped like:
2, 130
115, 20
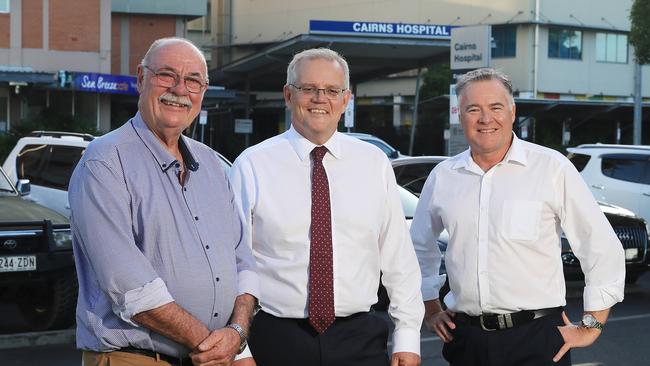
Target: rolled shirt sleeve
593, 241
400, 272
100, 206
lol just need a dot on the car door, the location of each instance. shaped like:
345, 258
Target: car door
622, 179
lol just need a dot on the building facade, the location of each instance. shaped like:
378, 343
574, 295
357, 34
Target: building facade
79, 58
571, 63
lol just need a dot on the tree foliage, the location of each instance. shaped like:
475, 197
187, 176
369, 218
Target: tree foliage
640, 30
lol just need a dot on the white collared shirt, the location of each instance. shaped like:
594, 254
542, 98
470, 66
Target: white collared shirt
369, 231
504, 230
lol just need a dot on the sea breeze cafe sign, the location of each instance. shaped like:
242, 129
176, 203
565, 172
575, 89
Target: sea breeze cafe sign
380, 29
106, 83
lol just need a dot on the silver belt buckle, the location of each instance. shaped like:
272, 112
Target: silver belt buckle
503, 320
480, 318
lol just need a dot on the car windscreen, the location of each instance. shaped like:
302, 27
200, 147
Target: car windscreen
6, 188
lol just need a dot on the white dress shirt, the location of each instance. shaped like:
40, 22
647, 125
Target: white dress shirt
504, 230
369, 231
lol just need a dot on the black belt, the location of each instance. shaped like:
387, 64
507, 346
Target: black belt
174, 361
492, 322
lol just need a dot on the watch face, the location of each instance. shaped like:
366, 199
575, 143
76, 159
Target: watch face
588, 320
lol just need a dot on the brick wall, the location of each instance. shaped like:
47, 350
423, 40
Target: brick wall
116, 50
143, 30
32, 24
4, 30
74, 25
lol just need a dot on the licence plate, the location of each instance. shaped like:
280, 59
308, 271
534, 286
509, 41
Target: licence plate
631, 253
18, 263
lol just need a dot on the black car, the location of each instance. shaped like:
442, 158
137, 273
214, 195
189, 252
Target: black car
37, 270
412, 172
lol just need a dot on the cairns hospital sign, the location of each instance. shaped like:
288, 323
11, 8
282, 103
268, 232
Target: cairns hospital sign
380, 29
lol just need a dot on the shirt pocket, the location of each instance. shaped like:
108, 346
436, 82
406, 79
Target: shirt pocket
521, 219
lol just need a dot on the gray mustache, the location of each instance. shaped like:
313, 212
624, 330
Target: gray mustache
169, 97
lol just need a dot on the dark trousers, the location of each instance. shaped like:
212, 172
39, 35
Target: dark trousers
530, 344
357, 340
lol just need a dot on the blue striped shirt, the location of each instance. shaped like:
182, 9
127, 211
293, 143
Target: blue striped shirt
142, 240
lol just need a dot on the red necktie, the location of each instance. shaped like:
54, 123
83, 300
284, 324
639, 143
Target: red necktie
321, 288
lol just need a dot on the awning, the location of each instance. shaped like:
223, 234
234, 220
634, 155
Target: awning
368, 58
25, 75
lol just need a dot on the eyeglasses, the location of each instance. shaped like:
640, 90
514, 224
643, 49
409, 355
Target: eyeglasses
312, 91
169, 79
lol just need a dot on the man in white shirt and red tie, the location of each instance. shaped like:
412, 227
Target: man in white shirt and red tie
325, 219
505, 203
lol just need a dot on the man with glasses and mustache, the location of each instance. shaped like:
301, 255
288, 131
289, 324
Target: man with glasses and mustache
325, 219
165, 276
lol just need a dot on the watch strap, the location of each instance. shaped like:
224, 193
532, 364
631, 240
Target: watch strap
243, 339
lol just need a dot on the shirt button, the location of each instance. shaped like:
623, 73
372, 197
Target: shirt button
178, 165
216, 315
217, 279
207, 247
164, 165
185, 189
196, 218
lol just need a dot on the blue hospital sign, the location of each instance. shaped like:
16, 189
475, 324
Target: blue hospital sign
380, 29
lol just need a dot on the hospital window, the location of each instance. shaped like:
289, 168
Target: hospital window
565, 43
611, 47
504, 41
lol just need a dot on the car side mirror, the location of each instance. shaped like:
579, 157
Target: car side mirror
394, 155
24, 187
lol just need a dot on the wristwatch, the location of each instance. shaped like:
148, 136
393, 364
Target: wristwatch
243, 339
589, 321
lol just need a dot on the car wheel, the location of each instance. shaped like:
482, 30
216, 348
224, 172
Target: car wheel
52, 306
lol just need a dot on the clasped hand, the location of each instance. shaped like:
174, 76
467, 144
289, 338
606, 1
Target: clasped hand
217, 349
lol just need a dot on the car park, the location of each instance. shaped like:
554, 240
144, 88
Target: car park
616, 174
390, 151
632, 231
37, 270
47, 159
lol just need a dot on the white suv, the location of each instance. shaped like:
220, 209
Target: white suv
47, 159
616, 174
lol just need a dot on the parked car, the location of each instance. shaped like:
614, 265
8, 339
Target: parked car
631, 230
412, 172
616, 174
37, 270
390, 151
633, 233
47, 159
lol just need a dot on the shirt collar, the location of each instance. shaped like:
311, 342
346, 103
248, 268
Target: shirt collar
303, 147
516, 154
163, 157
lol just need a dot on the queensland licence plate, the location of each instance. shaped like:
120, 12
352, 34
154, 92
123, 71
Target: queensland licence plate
18, 263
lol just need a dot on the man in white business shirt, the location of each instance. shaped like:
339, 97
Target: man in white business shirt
324, 216
505, 202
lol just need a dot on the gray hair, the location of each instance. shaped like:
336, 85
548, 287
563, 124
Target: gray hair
167, 40
484, 74
315, 54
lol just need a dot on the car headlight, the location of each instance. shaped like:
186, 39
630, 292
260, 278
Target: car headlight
62, 239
